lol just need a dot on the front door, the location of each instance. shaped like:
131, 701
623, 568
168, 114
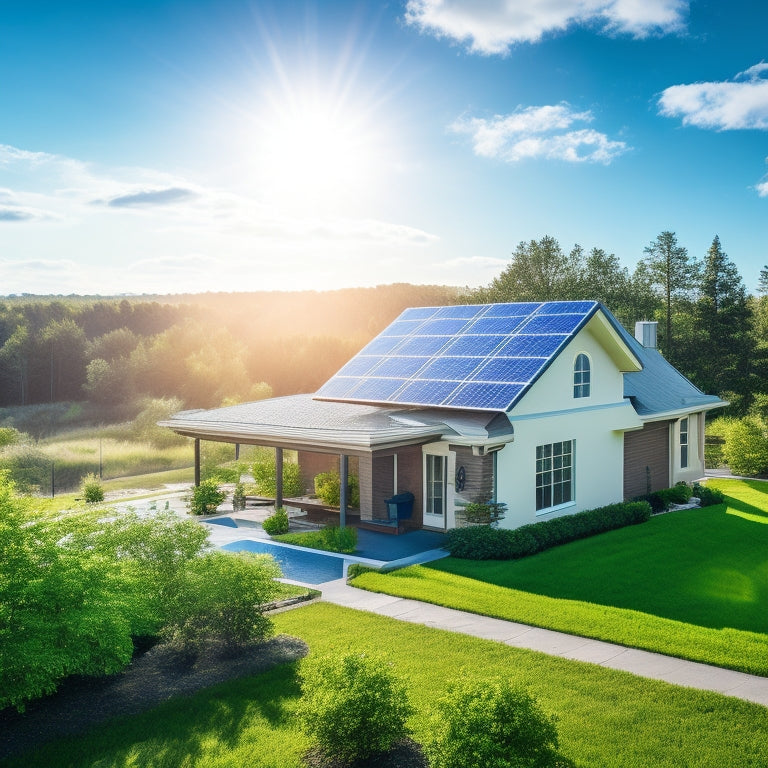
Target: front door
434, 498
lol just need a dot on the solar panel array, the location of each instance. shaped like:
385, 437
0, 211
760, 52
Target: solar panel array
469, 356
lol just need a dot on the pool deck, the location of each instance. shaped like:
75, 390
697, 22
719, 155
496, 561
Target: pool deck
379, 550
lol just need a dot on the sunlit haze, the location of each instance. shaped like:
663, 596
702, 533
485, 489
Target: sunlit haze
165, 147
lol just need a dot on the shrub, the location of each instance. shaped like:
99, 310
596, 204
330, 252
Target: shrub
338, 539
746, 447
482, 512
145, 428
276, 523
265, 478
491, 723
92, 489
708, 496
485, 543
352, 706
9, 436
221, 598
328, 489
238, 497
206, 497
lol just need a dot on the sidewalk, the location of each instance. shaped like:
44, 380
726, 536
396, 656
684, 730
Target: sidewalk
644, 663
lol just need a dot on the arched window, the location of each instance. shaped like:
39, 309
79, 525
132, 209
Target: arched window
581, 376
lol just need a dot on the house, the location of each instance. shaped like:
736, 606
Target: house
549, 407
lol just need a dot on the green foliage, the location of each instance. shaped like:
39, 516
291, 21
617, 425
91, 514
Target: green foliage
482, 512
27, 466
238, 498
328, 489
265, 478
221, 596
332, 538
746, 446
707, 495
92, 489
486, 543
9, 436
75, 588
277, 523
492, 724
145, 428
206, 497
352, 705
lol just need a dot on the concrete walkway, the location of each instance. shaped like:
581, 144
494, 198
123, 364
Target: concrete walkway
643, 663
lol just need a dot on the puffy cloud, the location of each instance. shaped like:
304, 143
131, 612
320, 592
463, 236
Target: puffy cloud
492, 26
14, 214
543, 132
738, 104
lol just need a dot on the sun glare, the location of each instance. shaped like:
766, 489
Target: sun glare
315, 151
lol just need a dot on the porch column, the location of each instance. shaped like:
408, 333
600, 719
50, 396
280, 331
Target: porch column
197, 461
278, 477
344, 477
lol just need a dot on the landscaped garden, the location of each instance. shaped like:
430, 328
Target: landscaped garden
605, 718
691, 583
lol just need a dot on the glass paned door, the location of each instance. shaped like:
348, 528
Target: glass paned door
434, 506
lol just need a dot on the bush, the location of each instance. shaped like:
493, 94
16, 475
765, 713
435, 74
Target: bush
352, 706
482, 512
92, 489
221, 598
265, 478
746, 447
145, 428
708, 496
491, 723
485, 543
206, 497
328, 489
238, 498
276, 523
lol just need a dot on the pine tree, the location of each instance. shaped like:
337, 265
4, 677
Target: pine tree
675, 276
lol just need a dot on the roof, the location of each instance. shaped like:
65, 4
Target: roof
300, 419
659, 389
478, 356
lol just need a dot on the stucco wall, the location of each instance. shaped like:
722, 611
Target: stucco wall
549, 413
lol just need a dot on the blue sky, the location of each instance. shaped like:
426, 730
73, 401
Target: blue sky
195, 145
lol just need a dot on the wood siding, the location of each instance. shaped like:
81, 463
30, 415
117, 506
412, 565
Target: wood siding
478, 471
646, 459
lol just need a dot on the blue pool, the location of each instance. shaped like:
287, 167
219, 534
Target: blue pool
296, 564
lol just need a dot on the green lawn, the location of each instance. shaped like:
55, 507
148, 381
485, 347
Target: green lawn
605, 718
692, 584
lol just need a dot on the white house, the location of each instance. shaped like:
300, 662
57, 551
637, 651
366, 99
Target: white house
549, 407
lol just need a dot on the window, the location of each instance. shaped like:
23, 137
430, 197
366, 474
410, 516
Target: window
581, 376
684, 443
554, 474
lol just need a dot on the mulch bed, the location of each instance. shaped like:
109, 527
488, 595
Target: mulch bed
150, 679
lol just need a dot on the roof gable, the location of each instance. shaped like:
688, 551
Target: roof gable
478, 357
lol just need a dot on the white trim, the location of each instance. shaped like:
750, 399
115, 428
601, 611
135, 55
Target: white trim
558, 508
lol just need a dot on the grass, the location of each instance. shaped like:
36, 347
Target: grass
692, 584
606, 718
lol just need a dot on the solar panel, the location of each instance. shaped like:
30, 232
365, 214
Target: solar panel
480, 356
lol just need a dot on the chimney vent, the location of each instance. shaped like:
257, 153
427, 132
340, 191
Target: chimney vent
645, 333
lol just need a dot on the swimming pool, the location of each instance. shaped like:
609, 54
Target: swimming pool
297, 564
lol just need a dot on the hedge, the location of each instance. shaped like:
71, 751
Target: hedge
485, 543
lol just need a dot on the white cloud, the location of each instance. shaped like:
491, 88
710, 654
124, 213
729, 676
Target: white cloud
492, 26
539, 132
762, 186
738, 104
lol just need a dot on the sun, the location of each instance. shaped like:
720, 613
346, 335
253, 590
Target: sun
315, 149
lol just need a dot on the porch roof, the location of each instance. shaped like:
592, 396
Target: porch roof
300, 420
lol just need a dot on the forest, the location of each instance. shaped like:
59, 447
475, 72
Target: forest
204, 350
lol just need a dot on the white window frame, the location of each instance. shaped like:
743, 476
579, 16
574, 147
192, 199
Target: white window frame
684, 441
555, 476
582, 376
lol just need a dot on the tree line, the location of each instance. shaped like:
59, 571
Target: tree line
710, 328
217, 348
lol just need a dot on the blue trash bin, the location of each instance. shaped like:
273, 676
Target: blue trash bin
400, 506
